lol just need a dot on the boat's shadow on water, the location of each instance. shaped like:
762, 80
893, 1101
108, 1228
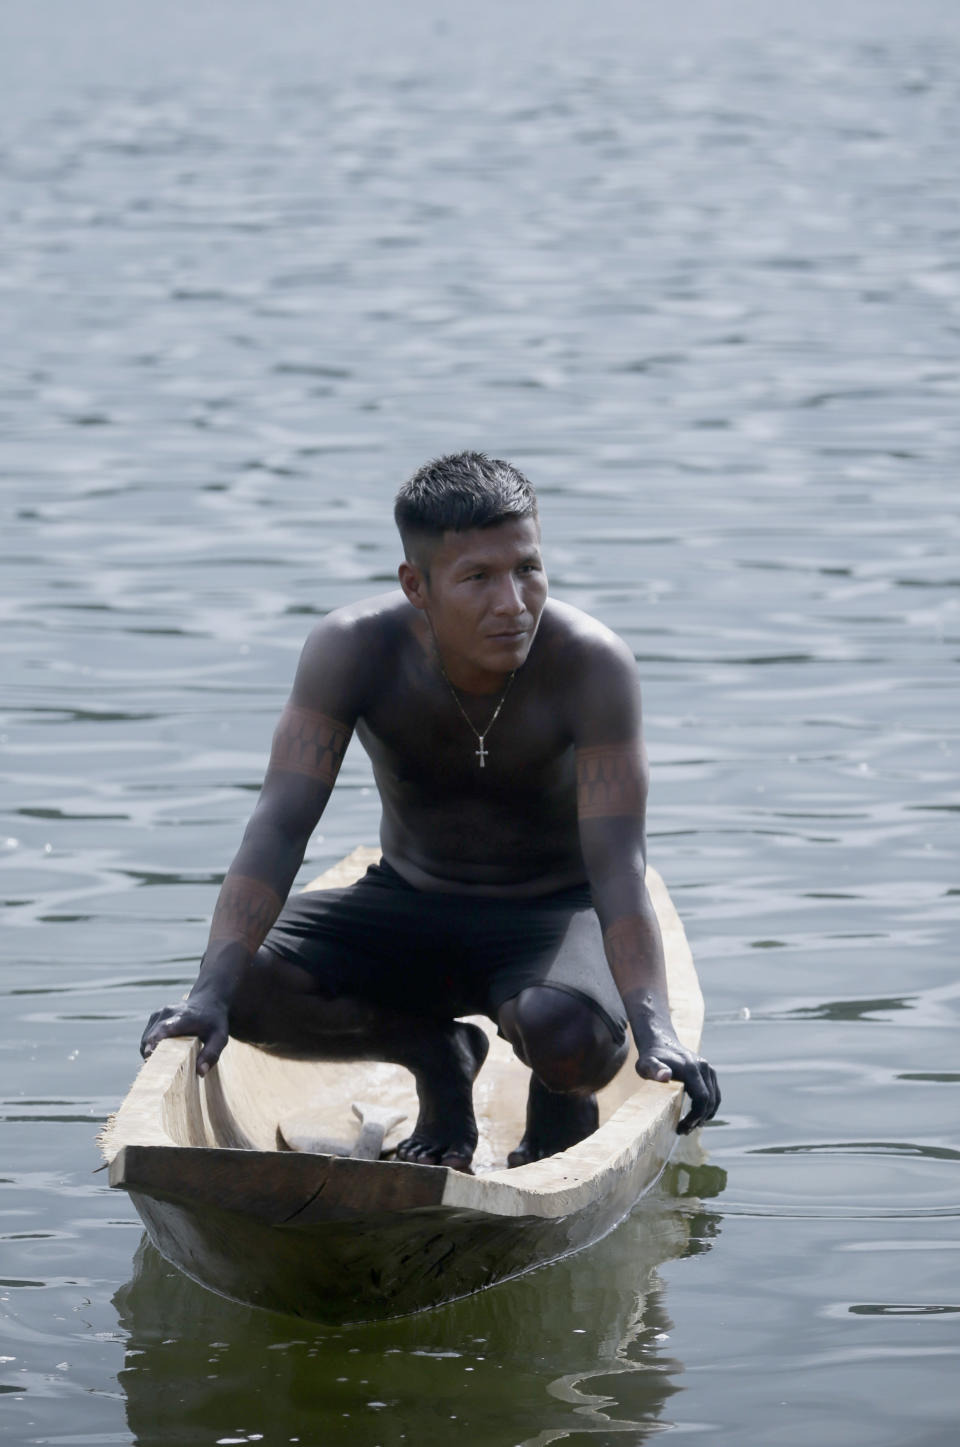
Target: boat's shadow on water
578, 1347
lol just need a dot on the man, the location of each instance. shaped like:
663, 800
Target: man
504, 733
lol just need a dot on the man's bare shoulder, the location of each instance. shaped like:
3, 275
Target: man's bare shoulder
361, 625
345, 652
367, 616
596, 677
582, 641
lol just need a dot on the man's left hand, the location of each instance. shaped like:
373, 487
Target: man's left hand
662, 1057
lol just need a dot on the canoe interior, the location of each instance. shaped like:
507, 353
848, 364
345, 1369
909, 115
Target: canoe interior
243, 1103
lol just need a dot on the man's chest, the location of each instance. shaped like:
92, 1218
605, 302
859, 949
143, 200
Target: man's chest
430, 741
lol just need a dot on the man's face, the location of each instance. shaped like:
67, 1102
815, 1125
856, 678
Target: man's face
484, 597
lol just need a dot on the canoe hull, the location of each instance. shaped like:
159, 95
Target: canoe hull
362, 1265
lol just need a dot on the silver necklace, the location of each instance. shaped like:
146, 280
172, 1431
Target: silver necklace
482, 752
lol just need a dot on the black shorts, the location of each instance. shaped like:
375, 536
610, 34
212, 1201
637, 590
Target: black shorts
445, 955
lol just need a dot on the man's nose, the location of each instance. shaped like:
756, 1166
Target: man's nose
509, 600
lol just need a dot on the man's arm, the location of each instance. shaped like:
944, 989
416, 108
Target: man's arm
309, 743
612, 781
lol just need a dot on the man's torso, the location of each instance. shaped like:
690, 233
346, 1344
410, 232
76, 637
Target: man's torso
508, 827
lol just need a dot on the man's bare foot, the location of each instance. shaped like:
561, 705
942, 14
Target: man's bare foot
446, 1129
554, 1122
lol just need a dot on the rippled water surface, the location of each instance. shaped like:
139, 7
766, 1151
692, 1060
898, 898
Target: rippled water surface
699, 277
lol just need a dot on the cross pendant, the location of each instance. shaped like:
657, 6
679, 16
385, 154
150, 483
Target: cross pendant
481, 752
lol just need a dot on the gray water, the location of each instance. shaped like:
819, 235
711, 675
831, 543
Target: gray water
698, 273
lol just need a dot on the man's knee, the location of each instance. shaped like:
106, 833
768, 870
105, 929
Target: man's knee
249, 999
267, 1001
566, 1043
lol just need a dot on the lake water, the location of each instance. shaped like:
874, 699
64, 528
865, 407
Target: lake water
697, 273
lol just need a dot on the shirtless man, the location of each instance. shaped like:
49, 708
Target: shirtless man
504, 733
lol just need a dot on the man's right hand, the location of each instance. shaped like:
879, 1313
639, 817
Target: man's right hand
205, 1019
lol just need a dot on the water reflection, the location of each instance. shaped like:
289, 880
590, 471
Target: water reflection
851, 1009
578, 1348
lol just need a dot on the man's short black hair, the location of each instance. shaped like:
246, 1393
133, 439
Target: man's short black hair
461, 491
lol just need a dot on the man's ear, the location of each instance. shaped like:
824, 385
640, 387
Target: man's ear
413, 581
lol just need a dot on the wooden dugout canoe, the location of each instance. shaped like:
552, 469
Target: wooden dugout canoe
340, 1240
